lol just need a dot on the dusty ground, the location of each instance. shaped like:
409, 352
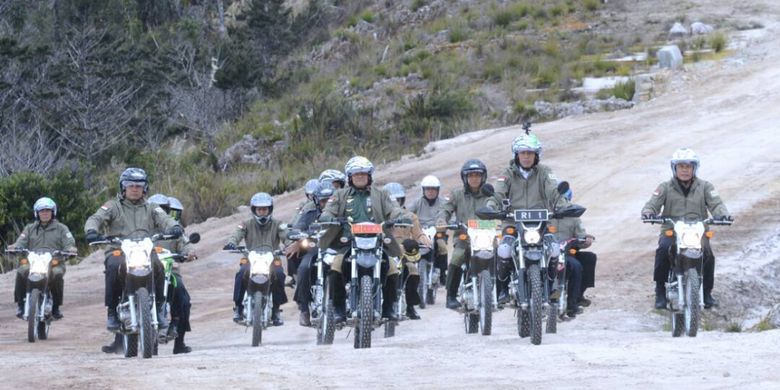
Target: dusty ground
727, 111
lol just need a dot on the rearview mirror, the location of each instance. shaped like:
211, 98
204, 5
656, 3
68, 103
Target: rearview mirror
194, 238
563, 187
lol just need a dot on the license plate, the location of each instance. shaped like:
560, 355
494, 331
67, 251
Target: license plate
531, 215
366, 228
483, 224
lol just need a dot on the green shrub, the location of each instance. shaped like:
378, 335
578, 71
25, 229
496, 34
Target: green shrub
458, 33
718, 42
417, 4
591, 5
368, 16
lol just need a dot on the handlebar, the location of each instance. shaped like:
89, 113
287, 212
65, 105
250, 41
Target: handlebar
53, 253
709, 221
118, 239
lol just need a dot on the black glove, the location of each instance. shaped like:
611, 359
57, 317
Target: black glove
648, 216
725, 218
229, 247
175, 231
93, 236
405, 221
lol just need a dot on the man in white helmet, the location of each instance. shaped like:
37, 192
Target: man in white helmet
684, 195
427, 210
49, 234
361, 202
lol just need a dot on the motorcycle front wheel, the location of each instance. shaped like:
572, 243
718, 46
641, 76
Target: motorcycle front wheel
535, 279
258, 306
692, 302
34, 305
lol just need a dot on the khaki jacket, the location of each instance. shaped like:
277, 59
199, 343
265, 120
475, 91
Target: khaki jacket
568, 228
415, 233
461, 204
54, 236
669, 200
538, 191
382, 209
427, 213
256, 236
121, 217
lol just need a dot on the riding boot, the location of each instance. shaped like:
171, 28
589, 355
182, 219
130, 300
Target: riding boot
112, 320
453, 282
115, 346
660, 295
179, 346
709, 301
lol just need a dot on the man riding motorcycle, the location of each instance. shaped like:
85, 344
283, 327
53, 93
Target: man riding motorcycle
462, 204
580, 267
335, 177
302, 294
119, 217
360, 202
45, 233
684, 195
293, 260
260, 231
427, 210
401, 234
525, 184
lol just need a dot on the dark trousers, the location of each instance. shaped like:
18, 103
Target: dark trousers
588, 261
277, 285
663, 262
116, 271
293, 262
56, 286
303, 281
574, 273
180, 305
412, 294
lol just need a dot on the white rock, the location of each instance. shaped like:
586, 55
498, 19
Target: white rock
678, 30
701, 28
670, 57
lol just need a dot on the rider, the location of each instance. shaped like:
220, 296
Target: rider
178, 295
525, 184
581, 267
303, 289
126, 214
684, 195
337, 178
407, 237
261, 231
360, 202
427, 210
462, 204
45, 233
293, 260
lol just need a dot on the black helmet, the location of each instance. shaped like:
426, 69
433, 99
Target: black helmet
133, 175
323, 192
473, 165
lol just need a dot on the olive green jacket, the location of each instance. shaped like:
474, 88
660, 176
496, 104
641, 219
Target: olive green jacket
256, 236
54, 236
538, 191
669, 200
121, 217
462, 204
381, 209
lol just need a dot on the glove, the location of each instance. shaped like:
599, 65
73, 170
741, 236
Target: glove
725, 218
487, 190
648, 216
229, 247
175, 231
93, 236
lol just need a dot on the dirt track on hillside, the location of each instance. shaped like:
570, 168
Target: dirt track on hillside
726, 111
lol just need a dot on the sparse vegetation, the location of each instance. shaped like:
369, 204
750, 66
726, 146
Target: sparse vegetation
718, 42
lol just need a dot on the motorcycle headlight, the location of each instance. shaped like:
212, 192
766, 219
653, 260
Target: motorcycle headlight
365, 242
532, 237
691, 240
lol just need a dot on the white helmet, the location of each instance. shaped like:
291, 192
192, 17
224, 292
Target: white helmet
262, 199
359, 164
684, 155
430, 181
396, 190
44, 204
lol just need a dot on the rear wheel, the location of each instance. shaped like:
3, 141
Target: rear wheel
147, 336
472, 323
326, 329
34, 305
257, 318
523, 323
535, 279
366, 311
130, 343
678, 324
485, 302
692, 302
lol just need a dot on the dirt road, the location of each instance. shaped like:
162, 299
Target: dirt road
727, 111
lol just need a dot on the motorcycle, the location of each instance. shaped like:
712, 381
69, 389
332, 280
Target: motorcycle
560, 283
684, 289
38, 301
477, 291
430, 280
400, 304
169, 259
137, 309
321, 305
531, 248
258, 300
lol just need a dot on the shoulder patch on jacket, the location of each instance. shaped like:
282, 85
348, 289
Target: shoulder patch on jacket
658, 191
501, 178
714, 193
241, 226
68, 235
106, 206
552, 176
